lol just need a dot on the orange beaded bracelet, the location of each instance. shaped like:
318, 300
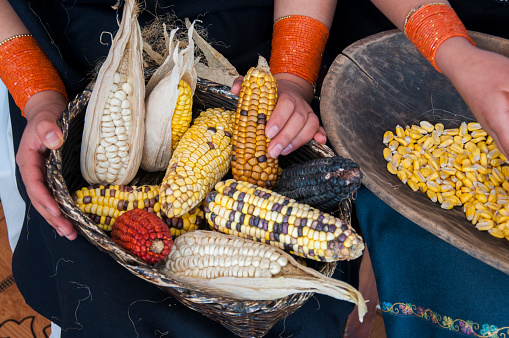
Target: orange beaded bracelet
428, 26
26, 70
298, 43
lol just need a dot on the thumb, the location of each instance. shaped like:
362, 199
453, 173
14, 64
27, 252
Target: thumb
237, 84
49, 134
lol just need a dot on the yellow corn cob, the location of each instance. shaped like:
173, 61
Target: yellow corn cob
246, 270
246, 210
257, 100
201, 159
104, 204
183, 114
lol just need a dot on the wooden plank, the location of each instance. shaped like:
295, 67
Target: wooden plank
378, 83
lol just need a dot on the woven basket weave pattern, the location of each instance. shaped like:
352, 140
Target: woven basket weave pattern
244, 318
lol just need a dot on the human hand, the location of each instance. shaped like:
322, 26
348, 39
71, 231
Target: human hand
42, 111
482, 79
293, 122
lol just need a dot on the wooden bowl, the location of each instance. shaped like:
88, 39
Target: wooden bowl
378, 83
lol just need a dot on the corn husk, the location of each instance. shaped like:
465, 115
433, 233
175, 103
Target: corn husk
126, 50
292, 279
162, 96
217, 68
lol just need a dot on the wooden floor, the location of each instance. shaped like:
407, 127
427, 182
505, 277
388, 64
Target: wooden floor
18, 320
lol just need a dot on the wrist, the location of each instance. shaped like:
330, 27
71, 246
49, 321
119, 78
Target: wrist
305, 89
452, 54
47, 101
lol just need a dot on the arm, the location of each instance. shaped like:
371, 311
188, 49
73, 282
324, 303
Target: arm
481, 77
293, 122
42, 109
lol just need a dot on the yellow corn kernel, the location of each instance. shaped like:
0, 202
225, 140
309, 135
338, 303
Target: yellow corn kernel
401, 140
428, 142
388, 137
456, 148
431, 195
496, 233
414, 186
433, 186
439, 128
471, 126
400, 132
465, 197
393, 145
427, 126
482, 146
463, 129
497, 162
470, 212
387, 154
402, 176
478, 133
414, 134
392, 168
422, 187
451, 131
484, 225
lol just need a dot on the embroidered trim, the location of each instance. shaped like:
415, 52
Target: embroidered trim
466, 327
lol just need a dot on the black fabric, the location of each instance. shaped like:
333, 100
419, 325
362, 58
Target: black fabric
355, 20
74, 284
74, 34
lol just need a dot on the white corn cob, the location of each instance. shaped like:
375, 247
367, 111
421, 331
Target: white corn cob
244, 269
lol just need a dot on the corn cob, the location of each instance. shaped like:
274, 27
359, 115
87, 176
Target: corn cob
322, 183
143, 234
257, 100
246, 210
114, 127
183, 114
243, 269
201, 158
104, 204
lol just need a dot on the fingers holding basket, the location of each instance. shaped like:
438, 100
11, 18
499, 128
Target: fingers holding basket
42, 133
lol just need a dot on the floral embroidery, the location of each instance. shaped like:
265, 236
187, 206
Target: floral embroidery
466, 327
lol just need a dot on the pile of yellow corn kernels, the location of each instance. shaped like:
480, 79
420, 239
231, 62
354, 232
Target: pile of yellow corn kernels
454, 167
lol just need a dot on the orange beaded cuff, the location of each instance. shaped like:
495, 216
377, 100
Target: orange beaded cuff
428, 26
26, 70
298, 43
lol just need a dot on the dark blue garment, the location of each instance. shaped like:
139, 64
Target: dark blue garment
427, 287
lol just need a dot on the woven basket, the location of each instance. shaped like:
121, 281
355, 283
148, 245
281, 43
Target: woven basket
244, 318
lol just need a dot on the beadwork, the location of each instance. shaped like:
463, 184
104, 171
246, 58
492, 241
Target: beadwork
298, 43
26, 70
428, 26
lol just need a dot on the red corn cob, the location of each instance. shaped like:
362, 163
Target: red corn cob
143, 234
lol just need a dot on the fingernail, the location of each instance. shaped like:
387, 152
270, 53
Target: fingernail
52, 139
60, 233
287, 150
272, 132
275, 151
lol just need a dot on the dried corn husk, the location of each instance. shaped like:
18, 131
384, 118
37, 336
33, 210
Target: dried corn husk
281, 277
162, 96
218, 69
113, 157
